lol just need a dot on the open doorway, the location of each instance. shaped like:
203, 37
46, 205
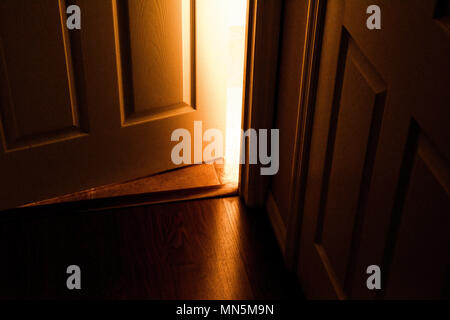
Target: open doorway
237, 14
221, 40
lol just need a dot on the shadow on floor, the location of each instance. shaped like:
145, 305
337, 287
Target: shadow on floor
203, 249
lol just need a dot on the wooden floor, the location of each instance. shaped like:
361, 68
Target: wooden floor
204, 249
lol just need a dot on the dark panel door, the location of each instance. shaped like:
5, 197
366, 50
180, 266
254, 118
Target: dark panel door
378, 182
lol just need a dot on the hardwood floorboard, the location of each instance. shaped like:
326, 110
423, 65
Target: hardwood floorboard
202, 249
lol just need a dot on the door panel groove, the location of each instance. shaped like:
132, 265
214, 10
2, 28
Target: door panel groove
338, 288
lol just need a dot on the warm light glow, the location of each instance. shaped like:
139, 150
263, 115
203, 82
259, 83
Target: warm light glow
220, 67
237, 12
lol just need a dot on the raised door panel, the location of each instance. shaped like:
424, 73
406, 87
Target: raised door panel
418, 247
156, 55
39, 101
355, 116
353, 140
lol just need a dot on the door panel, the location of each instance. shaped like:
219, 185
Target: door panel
96, 106
150, 38
49, 110
422, 225
377, 190
354, 134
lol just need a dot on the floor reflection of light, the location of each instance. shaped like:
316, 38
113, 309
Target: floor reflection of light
236, 11
224, 277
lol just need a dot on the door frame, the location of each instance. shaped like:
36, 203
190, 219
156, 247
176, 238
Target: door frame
304, 127
260, 89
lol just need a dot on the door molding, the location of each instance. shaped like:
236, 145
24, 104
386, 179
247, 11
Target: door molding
305, 116
262, 52
260, 87
259, 108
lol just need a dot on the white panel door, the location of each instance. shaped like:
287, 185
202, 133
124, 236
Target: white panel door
84, 108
